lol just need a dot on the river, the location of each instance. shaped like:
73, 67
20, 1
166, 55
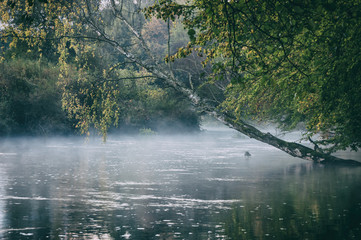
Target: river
199, 186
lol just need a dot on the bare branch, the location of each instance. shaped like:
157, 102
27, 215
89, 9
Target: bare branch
128, 78
118, 14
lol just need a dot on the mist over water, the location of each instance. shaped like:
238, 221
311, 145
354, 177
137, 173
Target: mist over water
198, 186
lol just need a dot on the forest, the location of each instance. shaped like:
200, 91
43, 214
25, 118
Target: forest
99, 66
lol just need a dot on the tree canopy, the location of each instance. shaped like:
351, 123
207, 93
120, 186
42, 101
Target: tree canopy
290, 62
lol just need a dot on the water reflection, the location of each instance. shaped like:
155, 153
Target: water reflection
3, 183
190, 187
309, 202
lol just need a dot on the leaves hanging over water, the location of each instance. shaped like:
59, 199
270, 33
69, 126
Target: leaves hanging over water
287, 62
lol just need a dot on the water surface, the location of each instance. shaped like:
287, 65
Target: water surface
172, 187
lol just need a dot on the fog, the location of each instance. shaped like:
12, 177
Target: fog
186, 186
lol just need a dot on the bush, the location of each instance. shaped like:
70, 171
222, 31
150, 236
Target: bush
30, 101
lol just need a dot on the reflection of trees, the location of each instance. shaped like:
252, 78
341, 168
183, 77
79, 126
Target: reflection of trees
322, 205
45, 196
3, 183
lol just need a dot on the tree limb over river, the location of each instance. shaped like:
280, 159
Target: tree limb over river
278, 61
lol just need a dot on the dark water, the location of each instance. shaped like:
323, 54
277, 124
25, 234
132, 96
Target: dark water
185, 187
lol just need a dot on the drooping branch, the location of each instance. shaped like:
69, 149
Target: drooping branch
118, 14
291, 148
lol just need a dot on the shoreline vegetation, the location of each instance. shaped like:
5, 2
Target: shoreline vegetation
30, 105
